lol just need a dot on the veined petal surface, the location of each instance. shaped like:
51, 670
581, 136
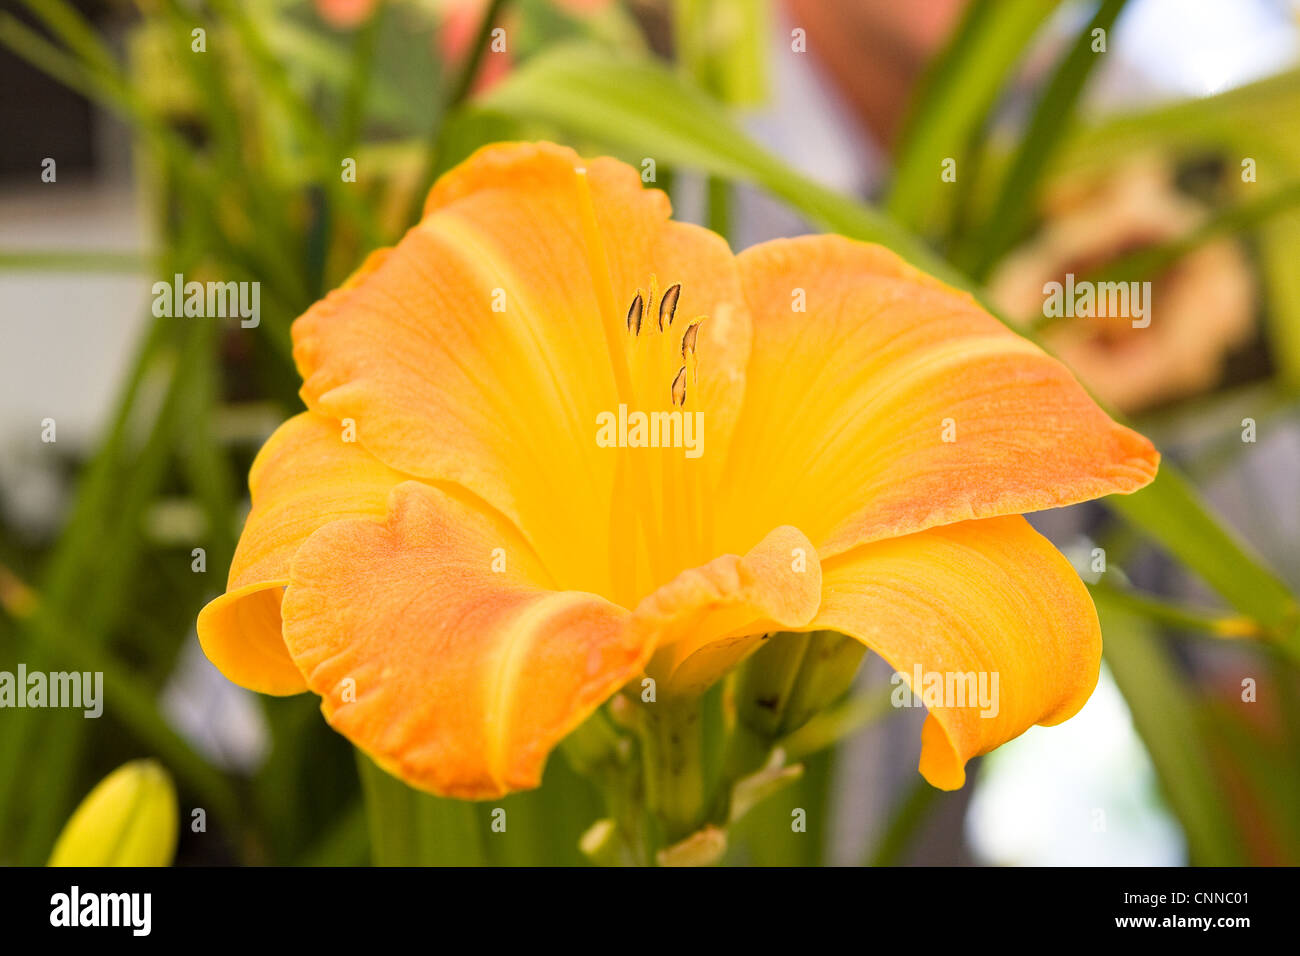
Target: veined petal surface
304, 477
986, 606
894, 404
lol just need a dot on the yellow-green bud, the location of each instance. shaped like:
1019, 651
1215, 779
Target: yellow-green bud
129, 819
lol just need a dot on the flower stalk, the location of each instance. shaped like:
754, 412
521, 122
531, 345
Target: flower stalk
672, 747
599, 751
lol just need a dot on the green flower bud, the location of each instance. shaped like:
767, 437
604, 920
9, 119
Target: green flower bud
792, 678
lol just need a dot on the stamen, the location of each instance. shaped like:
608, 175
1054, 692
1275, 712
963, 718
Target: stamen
644, 302
691, 338
668, 305
679, 387
634, 313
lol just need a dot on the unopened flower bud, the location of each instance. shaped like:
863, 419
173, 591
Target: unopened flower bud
129, 819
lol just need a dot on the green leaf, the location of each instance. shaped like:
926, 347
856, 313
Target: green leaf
789, 827
1177, 616
73, 260
133, 703
543, 826
1170, 510
459, 92
539, 827
80, 585
1279, 251
1052, 113
345, 843
651, 112
1168, 719
723, 45
1254, 115
328, 61
1270, 782
317, 144
909, 815
955, 100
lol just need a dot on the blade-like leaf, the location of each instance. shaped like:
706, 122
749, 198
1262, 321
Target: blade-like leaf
1052, 113
652, 113
1167, 717
73, 260
723, 45
1279, 251
1170, 510
956, 97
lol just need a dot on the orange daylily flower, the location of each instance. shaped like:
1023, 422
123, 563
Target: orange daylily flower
476, 573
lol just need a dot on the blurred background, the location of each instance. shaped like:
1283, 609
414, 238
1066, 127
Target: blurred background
1000, 145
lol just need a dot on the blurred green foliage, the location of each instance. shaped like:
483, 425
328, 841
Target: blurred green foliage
241, 150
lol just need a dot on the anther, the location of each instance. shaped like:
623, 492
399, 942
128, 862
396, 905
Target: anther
679, 387
690, 338
634, 313
668, 305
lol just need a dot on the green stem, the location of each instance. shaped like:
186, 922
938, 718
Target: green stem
719, 191
835, 725
353, 114
597, 750
747, 752
908, 818
1180, 616
459, 93
673, 754
74, 260
411, 828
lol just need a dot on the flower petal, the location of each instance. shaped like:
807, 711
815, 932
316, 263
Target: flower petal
480, 350
304, 477
977, 598
709, 618
897, 404
455, 676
